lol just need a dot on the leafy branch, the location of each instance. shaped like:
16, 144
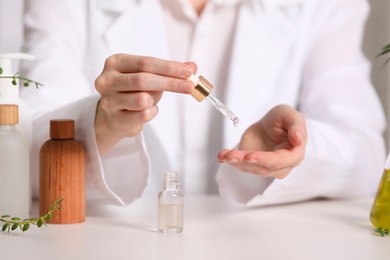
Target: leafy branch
15, 77
382, 231
12, 223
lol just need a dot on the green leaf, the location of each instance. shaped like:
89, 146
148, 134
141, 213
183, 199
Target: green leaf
25, 227
382, 231
386, 47
1, 70
5, 216
16, 219
387, 61
385, 50
26, 84
39, 223
5, 226
14, 82
15, 226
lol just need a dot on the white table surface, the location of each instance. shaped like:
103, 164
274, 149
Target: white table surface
213, 229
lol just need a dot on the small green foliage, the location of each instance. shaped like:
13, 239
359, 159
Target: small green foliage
385, 50
26, 227
382, 231
39, 223
5, 227
12, 223
14, 79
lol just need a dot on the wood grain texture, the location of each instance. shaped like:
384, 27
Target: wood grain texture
9, 114
62, 175
62, 129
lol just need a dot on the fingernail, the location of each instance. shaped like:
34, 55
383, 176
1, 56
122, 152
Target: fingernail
185, 71
252, 161
234, 160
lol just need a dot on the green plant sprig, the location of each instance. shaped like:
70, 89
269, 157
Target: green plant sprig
12, 223
382, 231
15, 77
385, 50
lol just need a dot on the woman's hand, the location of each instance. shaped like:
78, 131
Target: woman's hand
271, 147
130, 88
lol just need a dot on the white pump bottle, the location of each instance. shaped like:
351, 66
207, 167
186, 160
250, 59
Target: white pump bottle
9, 93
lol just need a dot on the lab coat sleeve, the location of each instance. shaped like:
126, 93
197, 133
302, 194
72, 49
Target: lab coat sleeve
56, 34
345, 152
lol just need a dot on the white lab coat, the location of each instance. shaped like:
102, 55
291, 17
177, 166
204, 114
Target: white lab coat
305, 53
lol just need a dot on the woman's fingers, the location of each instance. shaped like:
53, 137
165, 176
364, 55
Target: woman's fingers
272, 160
128, 122
126, 63
263, 171
265, 163
130, 88
136, 101
145, 82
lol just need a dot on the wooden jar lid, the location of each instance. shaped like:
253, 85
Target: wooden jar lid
62, 129
9, 114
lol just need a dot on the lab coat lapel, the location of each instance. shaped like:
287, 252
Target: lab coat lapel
257, 60
128, 29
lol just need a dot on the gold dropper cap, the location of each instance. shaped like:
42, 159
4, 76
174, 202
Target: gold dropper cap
9, 114
202, 88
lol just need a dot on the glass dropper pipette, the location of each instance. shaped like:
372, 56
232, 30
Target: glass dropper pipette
202, 91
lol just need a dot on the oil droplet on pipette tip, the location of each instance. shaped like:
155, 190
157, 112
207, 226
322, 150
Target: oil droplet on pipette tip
235, 121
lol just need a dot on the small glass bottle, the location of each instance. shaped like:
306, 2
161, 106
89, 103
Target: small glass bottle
380, 212
170, 204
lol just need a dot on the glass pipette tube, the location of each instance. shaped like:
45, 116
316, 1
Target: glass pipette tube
223, 109
202, 91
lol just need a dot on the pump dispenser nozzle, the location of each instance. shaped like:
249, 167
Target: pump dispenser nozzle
202, 91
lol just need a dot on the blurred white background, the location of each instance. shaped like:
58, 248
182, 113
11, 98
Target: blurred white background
11, 31
377, 35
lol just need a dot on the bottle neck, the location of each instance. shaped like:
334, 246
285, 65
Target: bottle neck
62, 139
171, 185
171, 181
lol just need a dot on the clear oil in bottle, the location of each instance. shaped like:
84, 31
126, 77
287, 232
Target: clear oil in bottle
170, 204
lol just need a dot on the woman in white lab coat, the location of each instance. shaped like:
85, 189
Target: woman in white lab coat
258, 53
